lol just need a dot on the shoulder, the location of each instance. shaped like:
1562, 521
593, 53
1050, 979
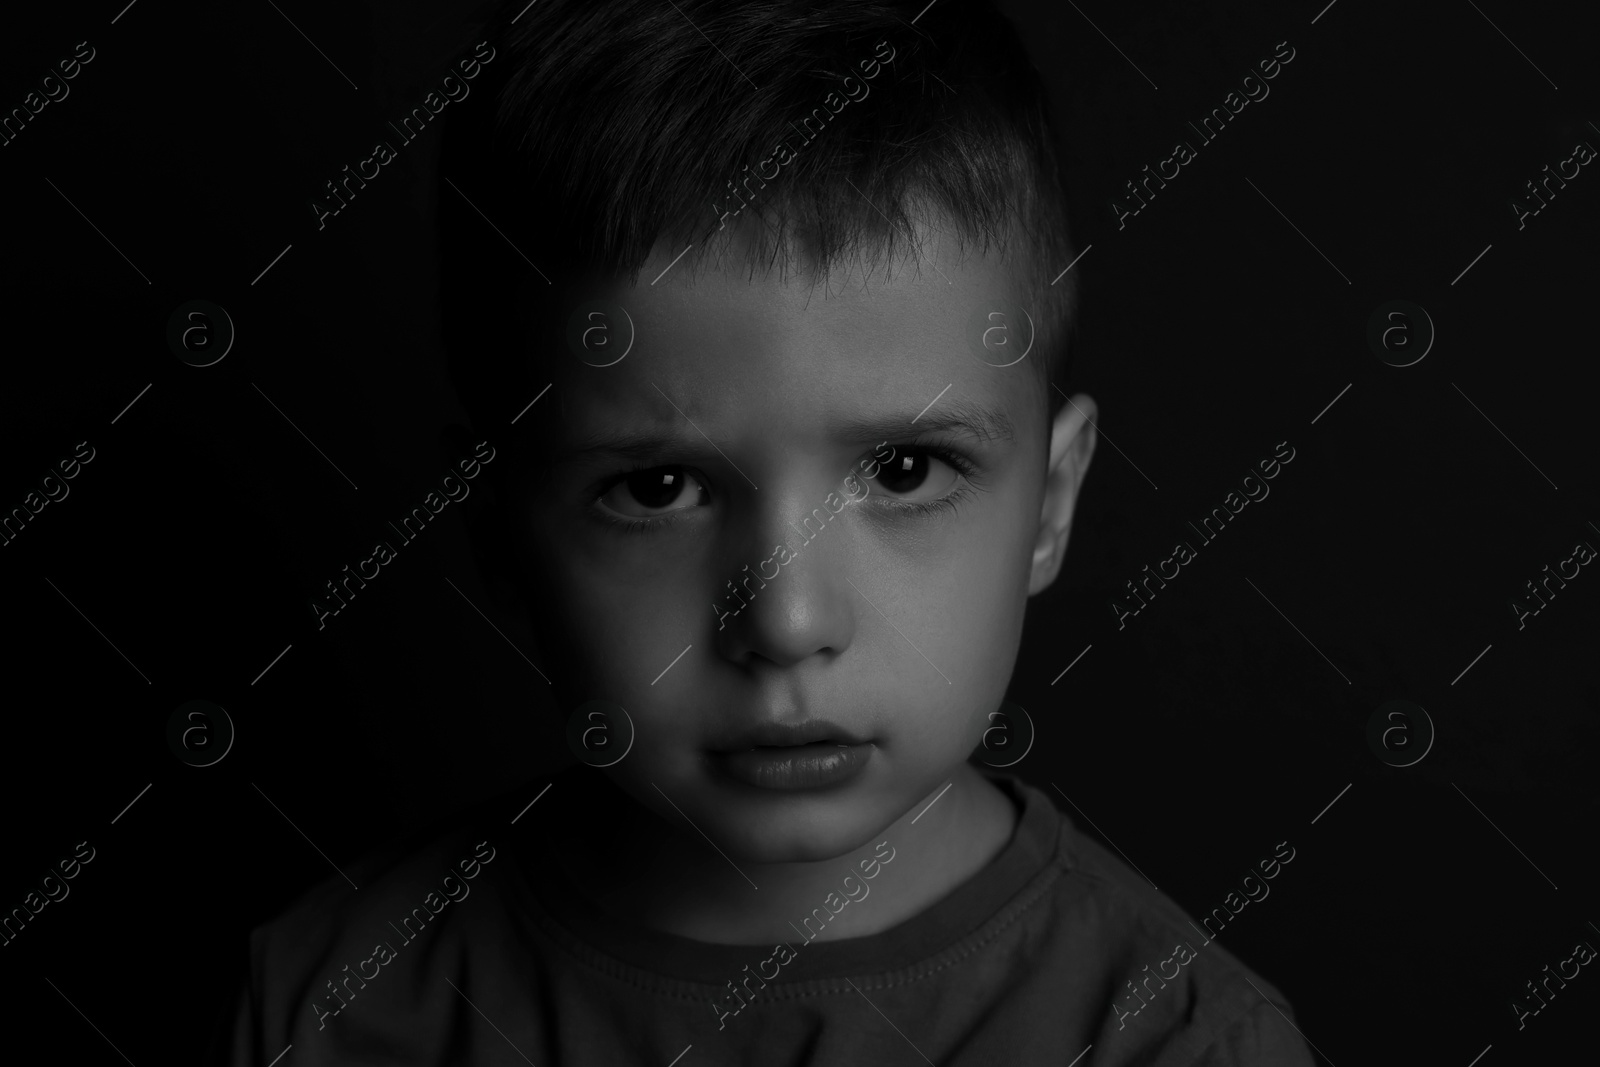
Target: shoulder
386, 886
1167, 993
381, 922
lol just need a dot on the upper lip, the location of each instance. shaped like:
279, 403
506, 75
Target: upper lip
783, 734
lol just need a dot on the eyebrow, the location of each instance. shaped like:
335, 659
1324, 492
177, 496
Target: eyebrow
957, 418
954, 417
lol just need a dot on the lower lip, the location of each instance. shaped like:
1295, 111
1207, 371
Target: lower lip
789, 767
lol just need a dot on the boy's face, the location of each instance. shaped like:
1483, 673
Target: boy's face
750, 411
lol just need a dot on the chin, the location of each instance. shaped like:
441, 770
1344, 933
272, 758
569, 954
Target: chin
779, 840
767, 826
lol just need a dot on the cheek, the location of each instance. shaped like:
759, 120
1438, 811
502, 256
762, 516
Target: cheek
623, 629
619, 609
979, 577
967, 620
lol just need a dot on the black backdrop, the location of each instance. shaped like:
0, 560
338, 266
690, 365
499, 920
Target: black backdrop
1221, 319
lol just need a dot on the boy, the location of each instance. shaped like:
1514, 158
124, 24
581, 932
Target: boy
794, 298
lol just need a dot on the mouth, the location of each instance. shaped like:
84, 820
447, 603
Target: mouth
790, 767
793, 756
787, 734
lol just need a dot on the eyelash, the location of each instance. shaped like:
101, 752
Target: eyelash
960, 463
950, 503
627, 525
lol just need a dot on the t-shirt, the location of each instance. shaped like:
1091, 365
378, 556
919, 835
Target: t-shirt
475, 949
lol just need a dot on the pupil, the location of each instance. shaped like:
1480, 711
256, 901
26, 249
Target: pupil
655, 488
904, 473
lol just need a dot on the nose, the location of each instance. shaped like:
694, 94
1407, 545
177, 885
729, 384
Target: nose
789, 598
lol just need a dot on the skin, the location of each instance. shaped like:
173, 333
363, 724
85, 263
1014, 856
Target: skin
897, 626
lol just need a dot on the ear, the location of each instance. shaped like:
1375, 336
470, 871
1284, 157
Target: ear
1072, 441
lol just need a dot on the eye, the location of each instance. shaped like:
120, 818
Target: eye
917, 475
644, 494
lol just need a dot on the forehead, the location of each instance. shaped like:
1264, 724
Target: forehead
783, 356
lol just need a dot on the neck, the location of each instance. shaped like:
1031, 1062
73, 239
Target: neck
682, 886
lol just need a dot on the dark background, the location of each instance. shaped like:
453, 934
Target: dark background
1194, 739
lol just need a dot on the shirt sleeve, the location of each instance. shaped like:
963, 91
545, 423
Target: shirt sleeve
1263, 1038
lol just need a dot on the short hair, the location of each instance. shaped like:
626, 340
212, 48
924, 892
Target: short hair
612, 126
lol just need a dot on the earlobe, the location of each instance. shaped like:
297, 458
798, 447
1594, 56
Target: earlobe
1072, 442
